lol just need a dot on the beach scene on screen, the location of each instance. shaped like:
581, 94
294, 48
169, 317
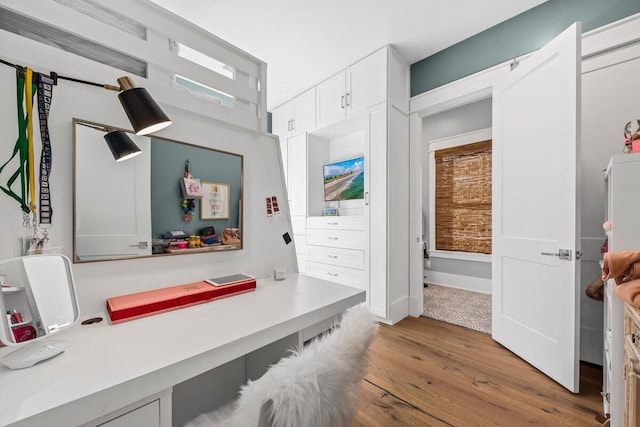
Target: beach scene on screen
344, 180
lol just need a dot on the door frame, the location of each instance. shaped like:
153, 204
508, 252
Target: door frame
465, 91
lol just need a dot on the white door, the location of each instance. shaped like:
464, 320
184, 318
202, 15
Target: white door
536, 119
304, 112
114, 217
367, 82
331, 102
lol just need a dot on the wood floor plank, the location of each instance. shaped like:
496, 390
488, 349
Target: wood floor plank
435, 373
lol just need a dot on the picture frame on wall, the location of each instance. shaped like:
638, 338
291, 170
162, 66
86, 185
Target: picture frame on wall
215, 200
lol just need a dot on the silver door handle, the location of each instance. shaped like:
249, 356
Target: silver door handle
564, 254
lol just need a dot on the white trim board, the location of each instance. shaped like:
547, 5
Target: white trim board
459, 281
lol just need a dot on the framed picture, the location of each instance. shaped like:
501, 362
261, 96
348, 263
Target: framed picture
330, 212
215, 200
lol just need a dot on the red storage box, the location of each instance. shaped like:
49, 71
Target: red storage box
135, 306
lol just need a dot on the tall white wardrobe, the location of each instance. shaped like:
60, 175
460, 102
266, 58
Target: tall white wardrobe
360, 111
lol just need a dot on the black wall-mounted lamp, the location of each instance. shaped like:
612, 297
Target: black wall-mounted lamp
121, 146
144, 113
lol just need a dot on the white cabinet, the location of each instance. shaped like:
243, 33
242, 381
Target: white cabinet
337, 248
352, 90
623, 211
296, 116
304, 190
154, 411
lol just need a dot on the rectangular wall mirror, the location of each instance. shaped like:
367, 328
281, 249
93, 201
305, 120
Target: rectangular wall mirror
136, 207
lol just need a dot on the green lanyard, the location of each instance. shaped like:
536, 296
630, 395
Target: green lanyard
20, 150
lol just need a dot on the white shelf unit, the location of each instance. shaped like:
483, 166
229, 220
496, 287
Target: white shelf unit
623, 210
360, 111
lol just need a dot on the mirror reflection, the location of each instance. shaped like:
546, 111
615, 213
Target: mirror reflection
38, 297
172, 198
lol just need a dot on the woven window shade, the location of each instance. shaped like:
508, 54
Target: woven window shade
463, 198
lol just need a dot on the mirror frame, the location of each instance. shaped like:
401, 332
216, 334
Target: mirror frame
221, 249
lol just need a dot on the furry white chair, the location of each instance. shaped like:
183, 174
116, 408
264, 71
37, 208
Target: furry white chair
314, 387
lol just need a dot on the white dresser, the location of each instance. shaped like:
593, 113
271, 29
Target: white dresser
337, 249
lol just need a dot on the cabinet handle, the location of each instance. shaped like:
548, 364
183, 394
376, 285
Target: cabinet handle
332, 238
347, 99
293, 124
336, 257
333, 274
332, 223
289, 125
342, 101
366, 198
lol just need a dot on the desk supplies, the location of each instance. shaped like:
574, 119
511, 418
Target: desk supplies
141, 304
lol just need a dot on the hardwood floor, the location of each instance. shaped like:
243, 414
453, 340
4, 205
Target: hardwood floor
424, 372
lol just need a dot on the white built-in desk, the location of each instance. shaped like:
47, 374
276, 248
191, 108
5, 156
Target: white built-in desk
109, 367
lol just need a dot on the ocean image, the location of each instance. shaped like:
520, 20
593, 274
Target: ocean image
344, 180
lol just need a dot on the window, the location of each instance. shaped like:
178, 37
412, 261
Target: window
463, 197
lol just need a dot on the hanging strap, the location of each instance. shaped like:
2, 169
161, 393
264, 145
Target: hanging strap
29, 92
20, 149
45, 94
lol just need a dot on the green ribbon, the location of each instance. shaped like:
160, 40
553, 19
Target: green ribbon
20, 149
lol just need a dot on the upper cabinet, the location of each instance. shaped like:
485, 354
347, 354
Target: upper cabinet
296, 116
352, 90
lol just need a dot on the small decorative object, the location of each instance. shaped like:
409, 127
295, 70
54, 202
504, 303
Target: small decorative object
279, 272
631, 140
188, 206
269, 208
330, 212
215, 201
276, 208
231, 236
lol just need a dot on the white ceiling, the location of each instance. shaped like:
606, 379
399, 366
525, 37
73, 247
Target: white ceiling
304, 42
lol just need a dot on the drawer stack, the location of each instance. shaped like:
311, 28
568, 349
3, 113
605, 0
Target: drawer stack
336, 249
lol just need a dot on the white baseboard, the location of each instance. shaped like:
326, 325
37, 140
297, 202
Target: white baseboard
469, 283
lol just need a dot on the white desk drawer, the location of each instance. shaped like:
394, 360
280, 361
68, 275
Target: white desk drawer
348, 239
333, 273
336, 222
352, 258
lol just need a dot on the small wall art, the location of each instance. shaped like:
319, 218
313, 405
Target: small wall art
215, 200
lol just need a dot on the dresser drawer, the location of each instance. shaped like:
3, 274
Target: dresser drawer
336, 222
348, 239
352, 258
333, 273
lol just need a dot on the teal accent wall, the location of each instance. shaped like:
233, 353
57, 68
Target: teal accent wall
168, 159
520, 35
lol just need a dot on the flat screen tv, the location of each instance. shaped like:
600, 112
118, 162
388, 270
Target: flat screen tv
344, 180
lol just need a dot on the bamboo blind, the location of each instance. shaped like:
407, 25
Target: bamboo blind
463, 198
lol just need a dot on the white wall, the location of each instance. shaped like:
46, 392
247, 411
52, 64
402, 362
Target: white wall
263, 244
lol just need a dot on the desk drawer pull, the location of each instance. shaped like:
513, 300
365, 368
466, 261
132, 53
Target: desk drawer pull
333, 256
332, 274
332, 238
332, 223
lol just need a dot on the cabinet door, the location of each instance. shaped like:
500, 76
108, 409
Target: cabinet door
280, 118
331, 100
284, 153
297, 185
304, 112
367, 82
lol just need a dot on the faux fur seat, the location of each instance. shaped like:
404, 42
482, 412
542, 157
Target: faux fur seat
315, 387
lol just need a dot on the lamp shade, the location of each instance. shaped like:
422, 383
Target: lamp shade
144, 113
121, 146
